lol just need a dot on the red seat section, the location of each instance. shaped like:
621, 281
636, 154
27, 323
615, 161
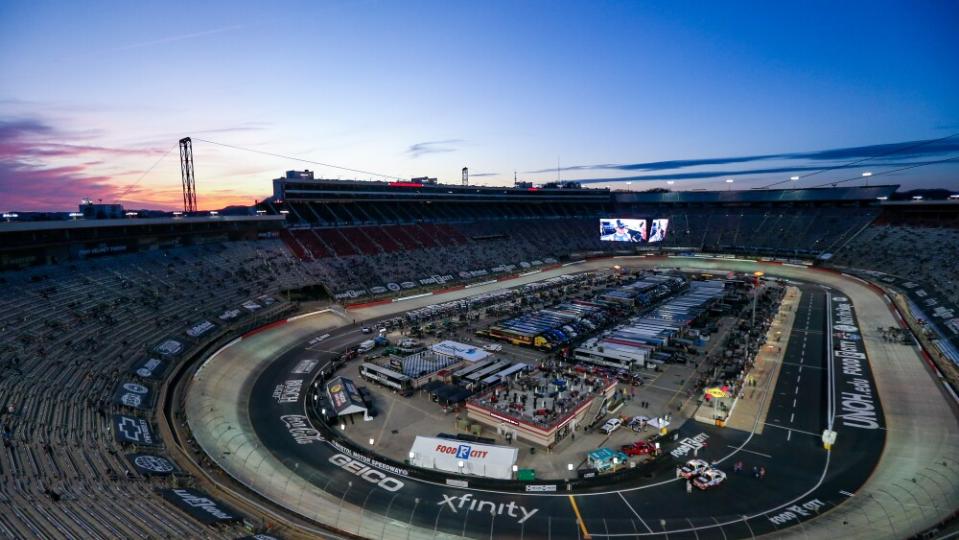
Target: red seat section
340, 244
295, 246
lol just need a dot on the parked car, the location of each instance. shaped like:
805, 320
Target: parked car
493, 347
639, 448
637, 422
611, 425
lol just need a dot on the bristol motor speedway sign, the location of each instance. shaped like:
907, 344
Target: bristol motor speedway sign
857, 404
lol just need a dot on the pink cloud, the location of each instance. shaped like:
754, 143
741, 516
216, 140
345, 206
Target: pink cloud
41, 170
59, 188
37, 173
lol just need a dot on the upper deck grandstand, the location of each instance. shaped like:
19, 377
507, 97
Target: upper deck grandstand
89, 302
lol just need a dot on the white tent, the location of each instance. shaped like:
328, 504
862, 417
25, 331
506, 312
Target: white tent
463, 457
462, 351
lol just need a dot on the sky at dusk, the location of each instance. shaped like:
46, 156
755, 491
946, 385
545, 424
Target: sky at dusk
627, 95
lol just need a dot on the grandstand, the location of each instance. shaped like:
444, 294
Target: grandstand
87, 302
375, 238
84, 327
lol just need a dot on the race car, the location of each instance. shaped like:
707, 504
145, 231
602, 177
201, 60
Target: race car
709, 478
639, 448
693, 468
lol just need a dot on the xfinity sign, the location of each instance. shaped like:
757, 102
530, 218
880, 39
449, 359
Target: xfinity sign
467, 503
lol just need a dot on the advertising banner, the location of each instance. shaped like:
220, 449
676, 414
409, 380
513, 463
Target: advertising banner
200, 506
152, 465
464, 457
132, 394
133, 430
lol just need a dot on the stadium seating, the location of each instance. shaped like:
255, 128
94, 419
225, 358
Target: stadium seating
415, 240
68, 335
924, 254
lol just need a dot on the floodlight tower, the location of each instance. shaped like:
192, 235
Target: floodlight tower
186, 173
466, 176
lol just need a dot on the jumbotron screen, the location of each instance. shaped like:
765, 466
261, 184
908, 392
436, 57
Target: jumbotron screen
632, 230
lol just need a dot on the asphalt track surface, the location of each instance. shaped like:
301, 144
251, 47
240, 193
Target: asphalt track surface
802, 481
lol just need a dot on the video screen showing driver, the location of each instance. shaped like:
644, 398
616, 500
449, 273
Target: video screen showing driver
657, 231
622, 230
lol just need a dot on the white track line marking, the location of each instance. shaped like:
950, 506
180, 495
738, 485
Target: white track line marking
634, 512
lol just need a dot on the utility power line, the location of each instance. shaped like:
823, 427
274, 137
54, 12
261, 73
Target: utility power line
273, 154
148, 171
913, 166
861, 160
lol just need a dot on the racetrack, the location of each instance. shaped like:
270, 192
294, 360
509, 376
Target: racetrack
808, 490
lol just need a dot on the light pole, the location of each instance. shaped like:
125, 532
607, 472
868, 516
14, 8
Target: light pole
729, 182
756, 276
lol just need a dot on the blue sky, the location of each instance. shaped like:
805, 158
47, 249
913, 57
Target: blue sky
94, 94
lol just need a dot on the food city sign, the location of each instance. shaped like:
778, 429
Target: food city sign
856, 398
689, 444
463, 451
797, 511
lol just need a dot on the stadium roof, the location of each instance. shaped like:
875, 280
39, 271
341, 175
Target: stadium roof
839, 194
22, 226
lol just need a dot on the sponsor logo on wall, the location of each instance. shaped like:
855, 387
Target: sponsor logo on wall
350, 294
150, 368
229, 315
132, 394
152, 465
200, 506
170, 347
133, 430
200, 328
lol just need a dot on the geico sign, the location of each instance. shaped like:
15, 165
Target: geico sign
367, 473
